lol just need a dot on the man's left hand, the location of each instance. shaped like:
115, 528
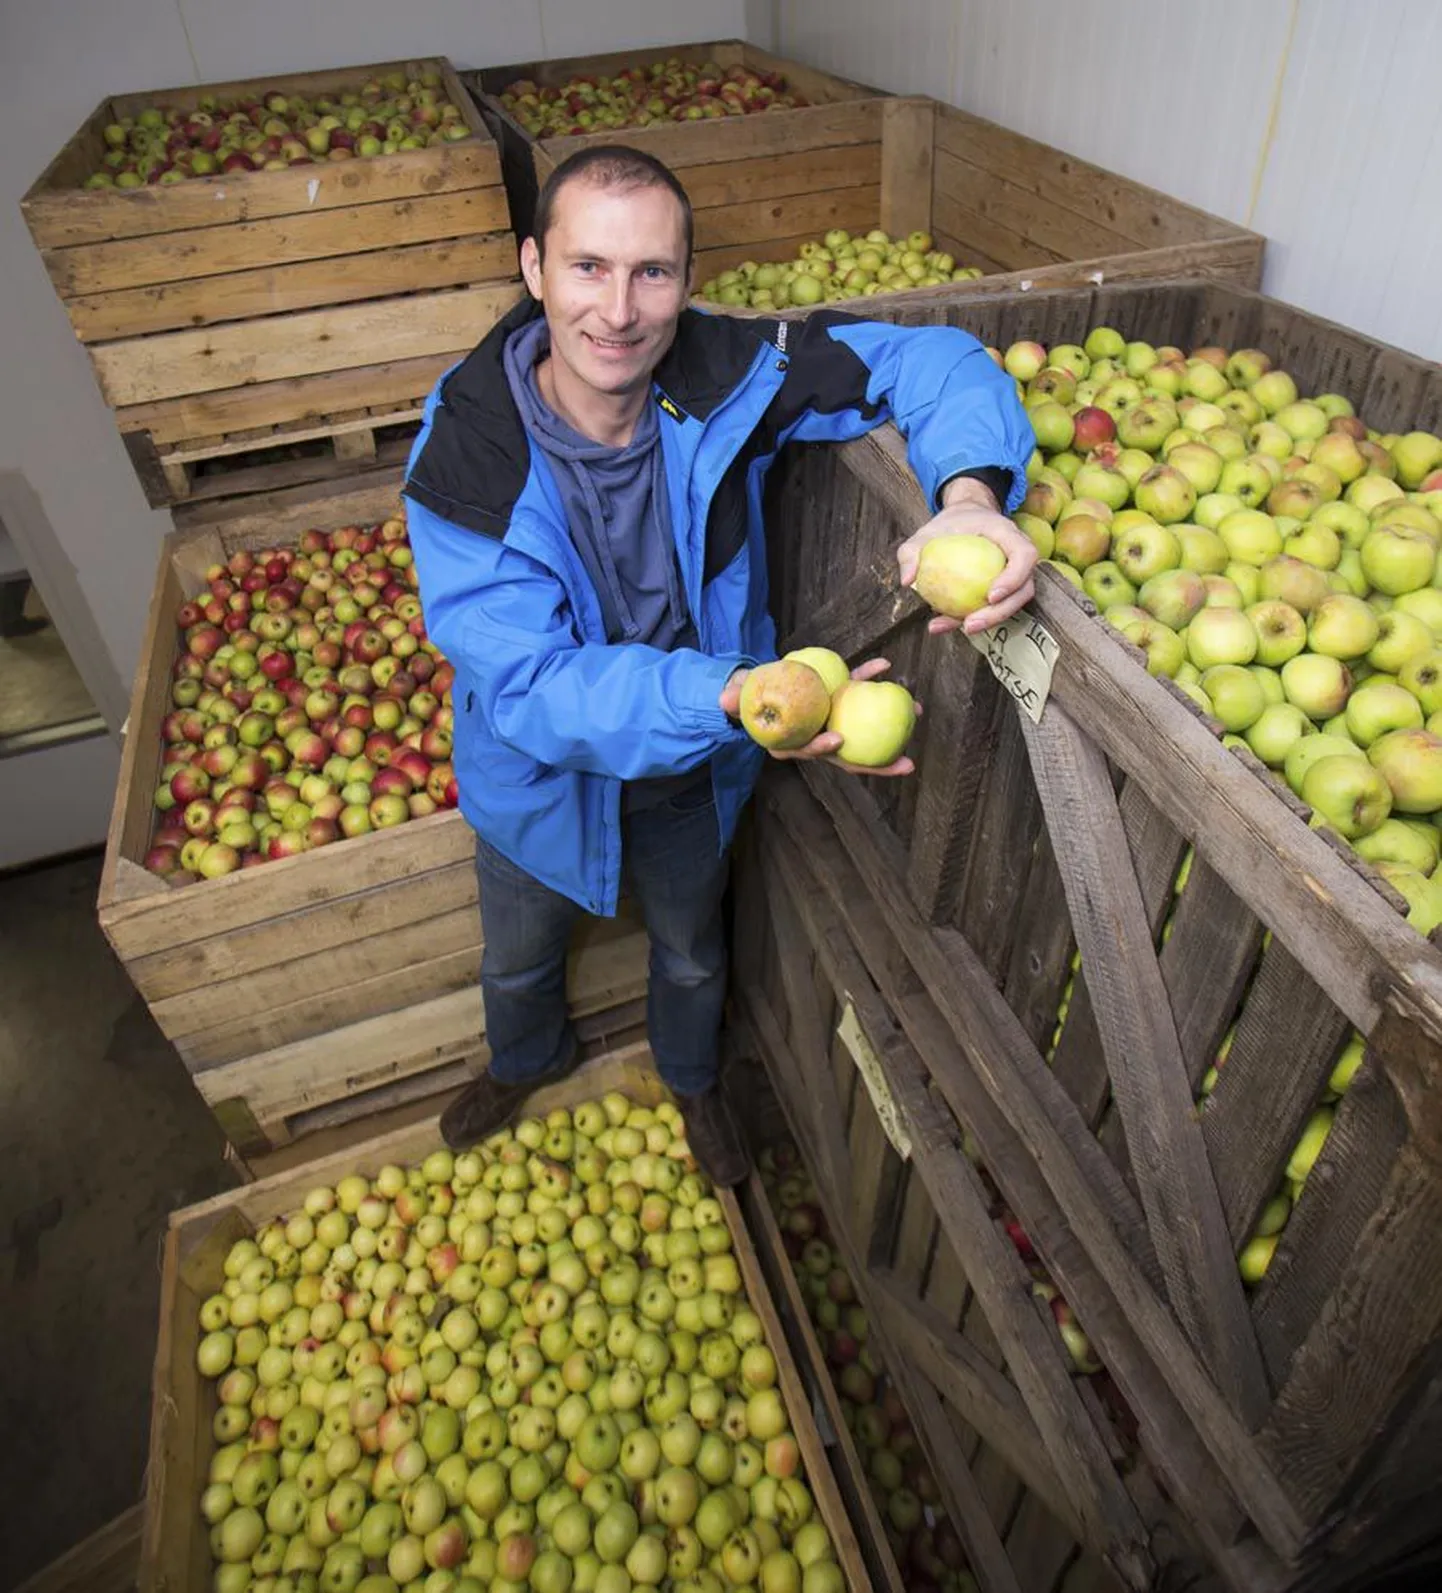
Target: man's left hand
969, 508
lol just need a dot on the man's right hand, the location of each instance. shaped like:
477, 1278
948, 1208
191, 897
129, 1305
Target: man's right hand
825, 744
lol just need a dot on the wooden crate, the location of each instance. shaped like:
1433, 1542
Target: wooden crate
768, 180
256, 329
175, 1552
331, 984
1295, 1425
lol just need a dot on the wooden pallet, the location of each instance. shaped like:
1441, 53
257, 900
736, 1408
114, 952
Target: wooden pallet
1294, 1426
225, 315
329, 985
752, 179
105, 1562
175, 1554
1027, 215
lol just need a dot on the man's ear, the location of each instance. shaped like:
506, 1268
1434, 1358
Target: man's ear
531, 267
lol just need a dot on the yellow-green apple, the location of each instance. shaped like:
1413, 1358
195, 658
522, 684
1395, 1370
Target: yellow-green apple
1146, 425
1312, 749
1347, 793
1247, 366
1422, 674
1066, 572
1081, 540
1107, 587
1246, 479
1214, 507
1251, 537
1103, 482
1339, 453
1342, 626
1274, 390
1347, 520
1302, 420
1042, 537
1223, 592
1348, 577
1104, 343
1293, 581
1164, 649
784, 705
1202, 550
1240, 404
1275, 731
1173, 597
1368, 493
1271, 682
1199, 463
1423, 895
1133, 464
874, 719
1281, 631
1398, 558
1426, 605
955, 574
1221, 636
830, 666
1317, 684
1377, 707
1023, 361
1401, 637
1051, 424
1165, 494
1144, 550
1416, 454
1236, 696
1410, 760
1314, 544
1401, 841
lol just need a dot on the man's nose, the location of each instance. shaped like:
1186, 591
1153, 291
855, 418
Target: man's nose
620, 303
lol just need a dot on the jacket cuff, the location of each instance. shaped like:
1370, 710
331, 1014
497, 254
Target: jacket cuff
994, 478
703, 697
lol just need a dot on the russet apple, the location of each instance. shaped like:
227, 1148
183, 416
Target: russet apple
784, 704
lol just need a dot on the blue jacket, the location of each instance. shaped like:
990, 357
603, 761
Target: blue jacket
549, 719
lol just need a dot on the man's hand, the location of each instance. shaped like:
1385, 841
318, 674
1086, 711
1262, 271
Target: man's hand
825, 744
968, 507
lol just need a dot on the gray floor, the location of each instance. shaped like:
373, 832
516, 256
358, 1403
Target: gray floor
101, 1137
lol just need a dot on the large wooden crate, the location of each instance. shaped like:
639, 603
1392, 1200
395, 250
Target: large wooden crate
331, 984
757, 182
261, 328
175, 1551
1293, 1426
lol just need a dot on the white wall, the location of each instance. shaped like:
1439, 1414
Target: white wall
59, 60
1316, 122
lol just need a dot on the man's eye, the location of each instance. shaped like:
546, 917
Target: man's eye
586, 267
655, 273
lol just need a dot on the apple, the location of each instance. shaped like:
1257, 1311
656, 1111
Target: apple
1276, 731
1348, 793
1281, 632
1342, 626
1235, 695
1410, 761
1397, 558
875, 719
955, 574
1221, 636
1145, 550
784, 704
830, 666
1379, 706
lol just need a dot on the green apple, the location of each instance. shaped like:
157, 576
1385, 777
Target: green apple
1165, 494
1398, 840
830, 666
1221, 636
1281, 631
1172, 597
1251, 537
1103, 482
1144, 550
1398, 558
1275, 731
1107, 587
1410, 760
1165, 650
1348, 793
1223, 592
1423, 895
1203, 551
1315, 544
1426, 604
1235, 695
1310, 750
1199, 463
1377, 707
1318, 684
1294, 581
874, 719
1416, 455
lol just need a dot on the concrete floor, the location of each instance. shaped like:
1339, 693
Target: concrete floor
101, 1137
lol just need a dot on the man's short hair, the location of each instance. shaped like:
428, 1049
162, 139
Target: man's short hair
614, 166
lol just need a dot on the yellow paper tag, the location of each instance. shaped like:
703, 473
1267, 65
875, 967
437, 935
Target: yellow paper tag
1022, 653
868, 1064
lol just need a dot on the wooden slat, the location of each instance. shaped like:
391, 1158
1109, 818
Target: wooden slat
140, 370
270, 290
1144, 1059
908, 142
1285, 1044
1039, 1546
757, 222
974, 1070
301, 398
1143, 216
60, 219
1351, 943
352, 439
105, 1562
224, 250
761, 178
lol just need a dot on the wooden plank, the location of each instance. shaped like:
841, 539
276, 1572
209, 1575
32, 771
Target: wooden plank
207, 253
105, 1562
1258, 1109
763, 177
1041, 949
961, 708
756, 222
908, 142
1001, 1094
239, 481
269, 290
391, 1045
1351, 944
1039, 1546
60, 219
140, 370
814, 1458
352, 439
303, 398
1143, 216
1144, 1059
1380, 1326
989, 1261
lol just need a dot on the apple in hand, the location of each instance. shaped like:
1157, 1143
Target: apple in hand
874, 719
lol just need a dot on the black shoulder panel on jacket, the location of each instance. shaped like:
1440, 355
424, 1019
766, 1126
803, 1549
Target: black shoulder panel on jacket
823, 374
477, 456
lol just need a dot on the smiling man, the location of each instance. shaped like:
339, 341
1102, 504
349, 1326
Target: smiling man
585, 509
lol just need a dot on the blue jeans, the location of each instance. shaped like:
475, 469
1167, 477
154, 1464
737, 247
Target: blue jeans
672, 864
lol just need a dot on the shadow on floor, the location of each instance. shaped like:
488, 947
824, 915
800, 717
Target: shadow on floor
101, 1136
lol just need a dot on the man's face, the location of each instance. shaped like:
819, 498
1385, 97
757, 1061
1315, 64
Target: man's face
614, 281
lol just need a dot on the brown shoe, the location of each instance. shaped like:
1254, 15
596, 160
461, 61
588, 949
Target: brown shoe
490, 1104
714, 1138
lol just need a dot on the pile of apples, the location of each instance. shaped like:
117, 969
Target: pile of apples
532, 1364
1273, 556
835, 267
672, 90
1256, 1255
271, 130
308, 705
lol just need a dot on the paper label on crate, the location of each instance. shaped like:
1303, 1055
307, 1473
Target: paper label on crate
1022, 653
868, 1064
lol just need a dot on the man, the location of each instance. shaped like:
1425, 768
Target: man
585, 509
